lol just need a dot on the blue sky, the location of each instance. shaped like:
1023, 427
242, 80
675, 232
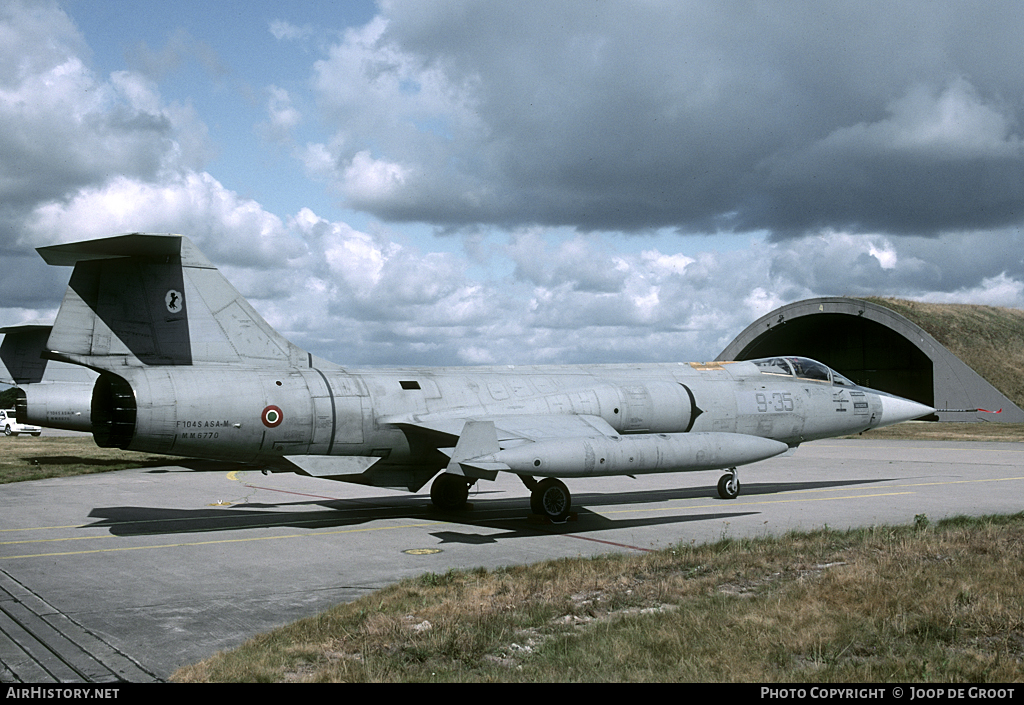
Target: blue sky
221, 57
472, 182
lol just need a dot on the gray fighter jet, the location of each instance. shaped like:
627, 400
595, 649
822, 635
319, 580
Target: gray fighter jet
187, 367
61, 393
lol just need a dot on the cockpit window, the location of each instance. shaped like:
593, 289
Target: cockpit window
774, 366
801, 368
809, 369
841, 381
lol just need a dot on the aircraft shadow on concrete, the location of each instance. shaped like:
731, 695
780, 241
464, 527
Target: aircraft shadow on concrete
510, 515
586, 522
200, 465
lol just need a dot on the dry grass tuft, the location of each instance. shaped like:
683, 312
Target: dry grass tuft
989, 339
942, 431
37, 458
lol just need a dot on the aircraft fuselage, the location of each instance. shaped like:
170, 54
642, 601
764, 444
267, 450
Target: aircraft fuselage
262, 415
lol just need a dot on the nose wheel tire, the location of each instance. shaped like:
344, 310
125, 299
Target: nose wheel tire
729, 486
551, 499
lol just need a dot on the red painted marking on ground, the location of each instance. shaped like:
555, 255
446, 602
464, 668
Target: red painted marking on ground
610, 543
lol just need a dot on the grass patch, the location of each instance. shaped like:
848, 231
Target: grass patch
936, 601
37, 458
944, 431
988, 338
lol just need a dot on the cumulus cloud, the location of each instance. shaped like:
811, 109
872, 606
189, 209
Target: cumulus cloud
1000, 290
368, 180
562, 151
234, 230
625, 116
286, 31
63, 129
939, 160
284, 117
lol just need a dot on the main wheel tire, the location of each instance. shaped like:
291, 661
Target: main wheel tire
551, 499
449, 492
8, 431
728, 487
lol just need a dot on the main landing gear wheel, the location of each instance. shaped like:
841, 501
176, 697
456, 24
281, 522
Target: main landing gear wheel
449, 492
729, 486
551, 499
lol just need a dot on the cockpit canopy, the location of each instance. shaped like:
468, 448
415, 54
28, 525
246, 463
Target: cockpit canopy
801, 368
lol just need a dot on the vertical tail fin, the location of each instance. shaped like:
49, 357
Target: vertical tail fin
144, 299
20, 352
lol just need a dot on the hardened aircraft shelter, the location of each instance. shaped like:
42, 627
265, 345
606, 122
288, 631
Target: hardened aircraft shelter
875, 347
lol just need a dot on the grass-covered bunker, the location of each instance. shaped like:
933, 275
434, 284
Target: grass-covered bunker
877, 343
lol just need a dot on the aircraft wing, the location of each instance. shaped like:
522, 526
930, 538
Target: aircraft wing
582, 446
511, 430
471, 437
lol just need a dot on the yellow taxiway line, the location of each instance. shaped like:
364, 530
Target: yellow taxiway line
675, 506
208, 543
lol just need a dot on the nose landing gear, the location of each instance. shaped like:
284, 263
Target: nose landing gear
729, 485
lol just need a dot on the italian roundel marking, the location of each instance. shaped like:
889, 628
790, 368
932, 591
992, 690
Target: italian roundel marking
272, 416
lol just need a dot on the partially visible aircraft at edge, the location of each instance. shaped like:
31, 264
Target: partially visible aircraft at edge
187, 367
61, 393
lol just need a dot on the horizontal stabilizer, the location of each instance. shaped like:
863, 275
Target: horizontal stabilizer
22, 355
141, 245
38, 324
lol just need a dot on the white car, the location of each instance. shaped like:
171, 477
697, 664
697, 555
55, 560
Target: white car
11, 426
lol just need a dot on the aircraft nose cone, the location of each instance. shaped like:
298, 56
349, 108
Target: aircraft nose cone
898, 409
